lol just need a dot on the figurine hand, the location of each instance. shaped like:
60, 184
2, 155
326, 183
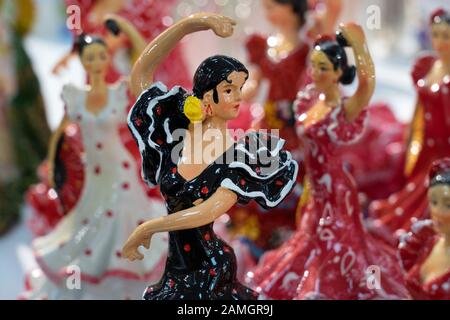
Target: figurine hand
221, 25
140, 237
353, 33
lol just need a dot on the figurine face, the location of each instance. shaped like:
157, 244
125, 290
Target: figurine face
322, 71
439, 203
229, 94
440, 38
280, 15
95, 59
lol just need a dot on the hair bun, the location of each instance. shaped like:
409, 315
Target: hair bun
348, 75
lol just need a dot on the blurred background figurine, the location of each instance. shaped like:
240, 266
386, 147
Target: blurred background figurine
429, 138
112, 203
200, 265
330, 253
425, 250
22, 113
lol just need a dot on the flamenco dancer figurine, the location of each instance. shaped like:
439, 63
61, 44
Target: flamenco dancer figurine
111, 205
63, 173
148, 18
330, 254
425, 250
429, 138
280, 60
200, 265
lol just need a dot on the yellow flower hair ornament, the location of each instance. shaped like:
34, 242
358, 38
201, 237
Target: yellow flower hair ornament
193, 109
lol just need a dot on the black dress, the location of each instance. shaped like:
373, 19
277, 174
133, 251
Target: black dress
199, 264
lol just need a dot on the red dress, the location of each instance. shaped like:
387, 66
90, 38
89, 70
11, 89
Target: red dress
331, 253
414, 249
395, 214
285, 77
49, 205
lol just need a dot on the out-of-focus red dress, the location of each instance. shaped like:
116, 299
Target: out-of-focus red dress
414, 249
50, 205
331, 254
285, 77
396, 214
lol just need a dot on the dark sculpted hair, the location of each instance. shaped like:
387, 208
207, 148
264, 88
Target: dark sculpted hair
300, 8
85, 40
335, 51
213, 71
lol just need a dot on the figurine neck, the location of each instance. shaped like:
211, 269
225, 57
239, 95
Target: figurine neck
290, 35
215, 123
97, 82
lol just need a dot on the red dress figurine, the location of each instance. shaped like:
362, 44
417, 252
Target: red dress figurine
331, 256
425, 250
429, 139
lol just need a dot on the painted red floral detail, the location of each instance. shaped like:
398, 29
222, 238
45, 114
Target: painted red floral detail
187, 247
109, 213
88, 252
138, 122
97, 170
126, 165
125, 186
212, 272
207, 236
205, 190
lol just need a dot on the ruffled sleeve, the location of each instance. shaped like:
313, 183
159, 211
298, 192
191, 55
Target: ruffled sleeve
71, 96
158, 124
416, 244
343, 131
261, 170
256, 48
287, 73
